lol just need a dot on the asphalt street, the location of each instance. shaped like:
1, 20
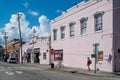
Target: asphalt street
24, 72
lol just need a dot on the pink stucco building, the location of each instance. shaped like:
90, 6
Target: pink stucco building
78, 29
36, 50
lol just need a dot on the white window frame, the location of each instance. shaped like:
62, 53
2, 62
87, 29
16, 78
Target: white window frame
72, 27
44, 55
55, 34
83, 27
98, 16
62, 32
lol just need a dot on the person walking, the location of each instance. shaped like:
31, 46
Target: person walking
89, 63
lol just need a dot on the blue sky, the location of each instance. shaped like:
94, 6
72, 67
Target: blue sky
35, 14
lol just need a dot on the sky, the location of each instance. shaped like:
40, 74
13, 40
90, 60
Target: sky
35, 14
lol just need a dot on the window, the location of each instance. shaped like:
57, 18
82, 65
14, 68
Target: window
98, 21
44, 55
55, 34
62, 32
58, 55
72, 29
83, 22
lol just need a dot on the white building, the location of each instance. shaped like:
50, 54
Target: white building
39, 47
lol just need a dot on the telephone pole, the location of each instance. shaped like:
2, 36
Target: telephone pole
5, 37
18, 19
96, 55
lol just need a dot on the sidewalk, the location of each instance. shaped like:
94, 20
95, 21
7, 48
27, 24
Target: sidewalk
92, 73
76, 70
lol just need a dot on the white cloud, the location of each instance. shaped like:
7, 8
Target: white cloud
59, 11
43, 29
26, 4
44, 25
34, 13
12, 28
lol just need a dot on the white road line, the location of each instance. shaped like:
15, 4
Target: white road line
9, 68
2, 67
9, 73
18, 68
19, 72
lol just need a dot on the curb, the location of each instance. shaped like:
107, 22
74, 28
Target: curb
83, 73
77, 72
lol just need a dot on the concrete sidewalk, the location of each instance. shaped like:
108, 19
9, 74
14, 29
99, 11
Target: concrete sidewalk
76, 70
92, 73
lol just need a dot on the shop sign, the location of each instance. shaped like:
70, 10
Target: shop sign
100, 56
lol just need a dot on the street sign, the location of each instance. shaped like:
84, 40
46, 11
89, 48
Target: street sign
92, 55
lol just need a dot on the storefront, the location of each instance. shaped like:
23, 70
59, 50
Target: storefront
37, 55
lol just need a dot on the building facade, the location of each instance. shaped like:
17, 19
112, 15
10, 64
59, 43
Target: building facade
36, 50
76, 32
10, 47
17, 50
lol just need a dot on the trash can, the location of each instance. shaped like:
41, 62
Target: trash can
52, 65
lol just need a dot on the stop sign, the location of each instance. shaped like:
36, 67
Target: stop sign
52, 51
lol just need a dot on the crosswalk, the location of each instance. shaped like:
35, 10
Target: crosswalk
18, 68
15, 70
10, 73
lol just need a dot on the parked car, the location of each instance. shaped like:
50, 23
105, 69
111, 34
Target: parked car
11, 60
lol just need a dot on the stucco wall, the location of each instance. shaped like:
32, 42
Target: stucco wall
39, 43
78, 48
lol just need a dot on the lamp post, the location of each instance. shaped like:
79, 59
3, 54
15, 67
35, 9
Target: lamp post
18, 19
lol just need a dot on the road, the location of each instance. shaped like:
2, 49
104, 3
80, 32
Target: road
25, 72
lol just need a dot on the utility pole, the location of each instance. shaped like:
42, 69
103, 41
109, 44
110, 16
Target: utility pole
18, 19
49, 50
32, 55
95, 53
5, 37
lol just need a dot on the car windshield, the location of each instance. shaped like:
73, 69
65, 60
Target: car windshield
12, 59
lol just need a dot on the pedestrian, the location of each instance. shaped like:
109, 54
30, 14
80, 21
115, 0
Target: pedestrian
109, 58
88, 63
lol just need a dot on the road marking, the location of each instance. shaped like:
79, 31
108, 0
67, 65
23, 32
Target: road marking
9, 73
9, 68
2, 67
19, 72
18, 68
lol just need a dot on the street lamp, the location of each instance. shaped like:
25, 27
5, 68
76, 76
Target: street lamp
18, 19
